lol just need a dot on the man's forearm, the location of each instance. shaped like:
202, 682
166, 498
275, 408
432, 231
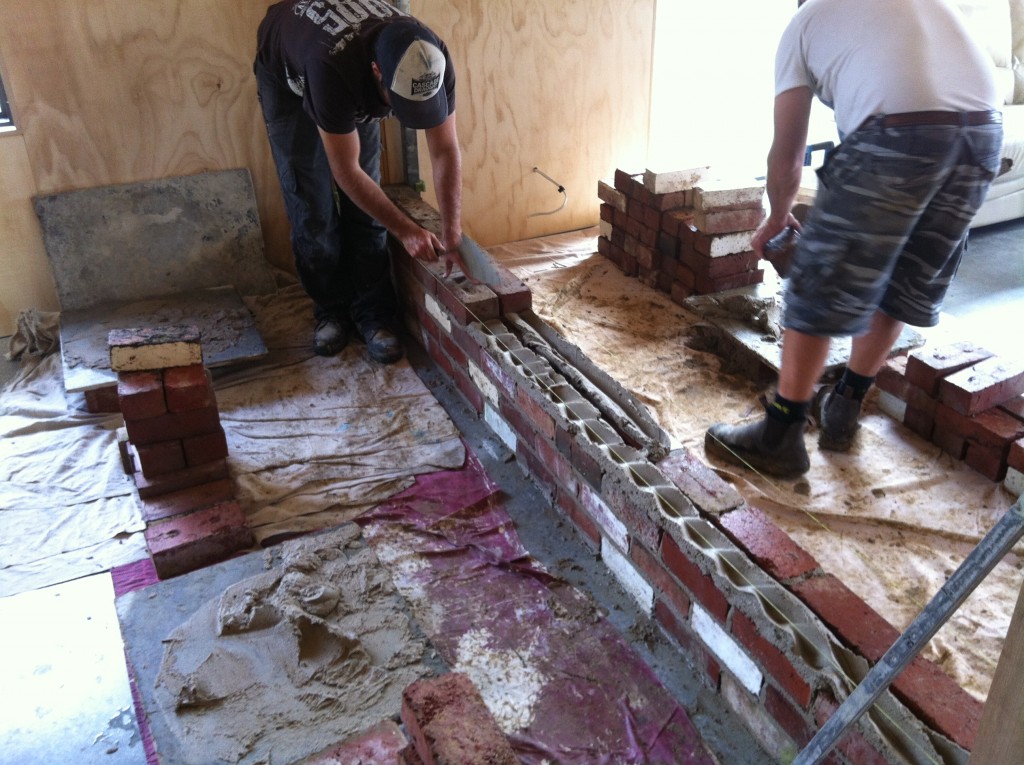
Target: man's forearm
447, 172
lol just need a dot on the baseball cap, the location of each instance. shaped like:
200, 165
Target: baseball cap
412, 65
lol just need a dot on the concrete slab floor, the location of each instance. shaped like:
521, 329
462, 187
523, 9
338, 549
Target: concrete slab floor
66, 696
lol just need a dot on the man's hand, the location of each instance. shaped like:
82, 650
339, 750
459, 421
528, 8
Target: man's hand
770, 228
420, 243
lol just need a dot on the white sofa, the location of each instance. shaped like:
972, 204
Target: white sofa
999, 25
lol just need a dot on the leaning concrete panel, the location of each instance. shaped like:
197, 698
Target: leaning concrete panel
152, 239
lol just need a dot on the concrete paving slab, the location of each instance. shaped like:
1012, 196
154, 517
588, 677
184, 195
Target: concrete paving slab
153, 239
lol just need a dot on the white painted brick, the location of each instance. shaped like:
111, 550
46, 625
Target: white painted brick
627, 575
666, 182
156, 356
437, 310
483, 383
719, 193
728, 651
605, 229
730, 244
500, 426
603, 516
891, 405
1014, 481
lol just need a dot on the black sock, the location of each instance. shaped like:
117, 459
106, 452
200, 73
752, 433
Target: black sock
858, 384
787, 411
782, 413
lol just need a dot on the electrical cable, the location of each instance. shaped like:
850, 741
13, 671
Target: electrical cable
561, 190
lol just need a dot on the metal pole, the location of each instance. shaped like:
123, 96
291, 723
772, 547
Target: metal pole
982, 559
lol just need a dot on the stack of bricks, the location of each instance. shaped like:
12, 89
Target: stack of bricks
681, 232
174, 447
965, 400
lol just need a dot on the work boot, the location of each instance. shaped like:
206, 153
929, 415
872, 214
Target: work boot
770, 446
837, 415
384, 346
330, 337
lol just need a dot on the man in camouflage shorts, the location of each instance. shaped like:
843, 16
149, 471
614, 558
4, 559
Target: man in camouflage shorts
916, 103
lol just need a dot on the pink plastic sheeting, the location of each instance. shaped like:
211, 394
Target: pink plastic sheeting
456, 555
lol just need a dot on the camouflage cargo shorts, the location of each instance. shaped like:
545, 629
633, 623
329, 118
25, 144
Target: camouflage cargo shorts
889, 226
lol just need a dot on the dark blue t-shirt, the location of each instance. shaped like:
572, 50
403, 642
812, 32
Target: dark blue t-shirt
322, 50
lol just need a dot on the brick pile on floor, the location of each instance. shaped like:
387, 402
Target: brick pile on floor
174, 447
966, 400
681, 232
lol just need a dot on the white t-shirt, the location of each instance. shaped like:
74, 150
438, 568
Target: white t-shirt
868, 57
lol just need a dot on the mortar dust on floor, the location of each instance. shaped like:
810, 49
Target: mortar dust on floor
891, 519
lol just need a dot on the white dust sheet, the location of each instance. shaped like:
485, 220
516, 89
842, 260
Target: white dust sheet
891, 519
312, 442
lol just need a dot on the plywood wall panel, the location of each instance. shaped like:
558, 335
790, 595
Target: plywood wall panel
562, 85
118, 91
25, 280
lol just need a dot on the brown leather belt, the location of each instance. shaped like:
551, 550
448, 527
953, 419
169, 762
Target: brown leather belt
909, 119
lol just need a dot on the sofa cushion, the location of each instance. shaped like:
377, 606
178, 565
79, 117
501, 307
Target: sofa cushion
1017, 30
989, 21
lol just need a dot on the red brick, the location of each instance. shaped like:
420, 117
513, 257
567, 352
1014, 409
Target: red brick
702, 485
573, 510
188, 388
987, 460
468, 389
774, 661
847, 615
141, 394
672, 200
160, 458
560, 467
951, 443
586, 466
920, 413
790, 719
939, 701
715, 268
607, 213
199, 539
103, 400
1014, 408
184, 501
853, 745
450, 724
180, 479
706, 285
665, 585
173, 426
993, 427
928, 366
1016, 456
770, 547
892, 378
543, 423
611, 196
467, 302
700, 585
984, 385
652, 218
208, 447
513, 294
677, 628
628, 183
506, 383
